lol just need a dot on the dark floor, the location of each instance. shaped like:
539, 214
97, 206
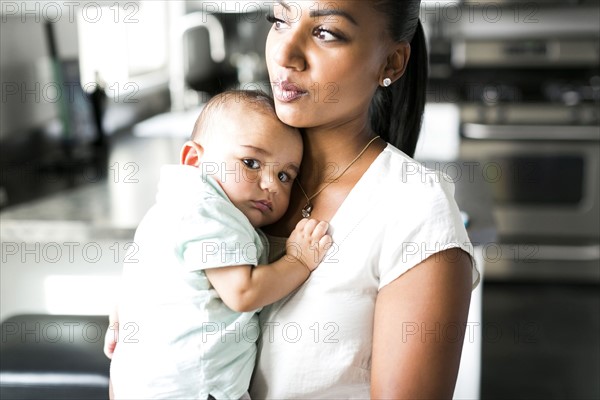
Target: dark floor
541, 341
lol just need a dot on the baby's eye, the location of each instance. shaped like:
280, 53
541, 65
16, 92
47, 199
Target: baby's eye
283, 177
251, 163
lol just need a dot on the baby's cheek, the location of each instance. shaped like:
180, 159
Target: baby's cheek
250, 175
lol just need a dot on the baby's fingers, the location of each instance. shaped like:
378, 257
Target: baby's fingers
325, 242
319, 230
320, 248
300, 225
309, 226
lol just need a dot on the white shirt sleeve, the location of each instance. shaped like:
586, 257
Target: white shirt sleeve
435, 225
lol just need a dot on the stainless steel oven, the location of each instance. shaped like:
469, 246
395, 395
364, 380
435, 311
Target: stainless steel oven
529, 98
541, 187
545, 183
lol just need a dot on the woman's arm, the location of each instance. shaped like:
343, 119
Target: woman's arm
419, 329
244, 288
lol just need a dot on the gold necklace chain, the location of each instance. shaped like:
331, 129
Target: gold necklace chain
307, 209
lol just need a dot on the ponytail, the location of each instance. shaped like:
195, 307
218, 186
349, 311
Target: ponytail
396, 112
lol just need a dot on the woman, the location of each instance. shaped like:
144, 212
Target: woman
345, 72
374, 319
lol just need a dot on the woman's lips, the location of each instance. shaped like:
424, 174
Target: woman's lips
286, 92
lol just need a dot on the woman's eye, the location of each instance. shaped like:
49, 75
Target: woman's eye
277, 23
251, 163
325, 35
283, 177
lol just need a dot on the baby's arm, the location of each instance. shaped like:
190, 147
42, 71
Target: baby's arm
244, 288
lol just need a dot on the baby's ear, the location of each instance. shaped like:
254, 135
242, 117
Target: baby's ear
191, 153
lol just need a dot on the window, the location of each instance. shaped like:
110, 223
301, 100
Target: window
125, 43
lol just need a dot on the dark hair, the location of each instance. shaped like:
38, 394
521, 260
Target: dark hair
396, 112
259, 100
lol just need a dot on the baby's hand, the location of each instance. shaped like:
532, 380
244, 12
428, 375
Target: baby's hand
309, 242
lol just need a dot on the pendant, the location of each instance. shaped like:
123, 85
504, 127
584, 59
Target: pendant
306, 210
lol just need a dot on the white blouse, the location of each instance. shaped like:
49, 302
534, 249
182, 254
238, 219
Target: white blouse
316, 342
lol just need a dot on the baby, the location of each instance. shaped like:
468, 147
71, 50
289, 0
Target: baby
188, 312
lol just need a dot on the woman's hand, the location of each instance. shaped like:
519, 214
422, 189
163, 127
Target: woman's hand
112, 333
419, 329
309, 242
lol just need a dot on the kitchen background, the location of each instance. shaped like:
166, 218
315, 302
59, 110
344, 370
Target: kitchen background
97, 95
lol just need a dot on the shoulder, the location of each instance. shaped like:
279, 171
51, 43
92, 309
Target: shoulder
421, 215
409, 182
183, 187
195, 200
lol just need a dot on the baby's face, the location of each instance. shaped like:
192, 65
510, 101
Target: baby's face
256, 159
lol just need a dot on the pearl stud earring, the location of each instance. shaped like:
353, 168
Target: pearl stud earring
387, 82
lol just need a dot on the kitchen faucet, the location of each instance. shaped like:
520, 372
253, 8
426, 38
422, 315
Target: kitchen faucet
178, 59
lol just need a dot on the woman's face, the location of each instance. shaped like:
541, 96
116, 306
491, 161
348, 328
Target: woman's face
325, 60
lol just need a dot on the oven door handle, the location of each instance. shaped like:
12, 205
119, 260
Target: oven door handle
590, 252
531, 132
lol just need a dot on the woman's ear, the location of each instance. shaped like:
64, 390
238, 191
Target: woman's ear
396, 62
191, 153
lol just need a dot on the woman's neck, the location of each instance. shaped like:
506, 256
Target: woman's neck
327, 151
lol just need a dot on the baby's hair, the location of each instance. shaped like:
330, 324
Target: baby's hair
258, 100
